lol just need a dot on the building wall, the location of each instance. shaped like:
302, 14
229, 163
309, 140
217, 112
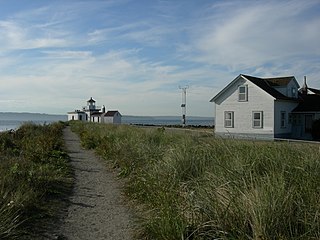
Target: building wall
77, 116
108, 120
287, 107
114, 120
95, 118
299, 124
117, 119
258, 100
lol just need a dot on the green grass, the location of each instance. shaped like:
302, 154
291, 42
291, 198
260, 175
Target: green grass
191, 187
34, 174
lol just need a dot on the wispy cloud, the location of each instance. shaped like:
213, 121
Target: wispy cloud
55, 54
254, 34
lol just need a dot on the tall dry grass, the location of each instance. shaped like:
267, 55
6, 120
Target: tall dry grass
192, 187
34, 173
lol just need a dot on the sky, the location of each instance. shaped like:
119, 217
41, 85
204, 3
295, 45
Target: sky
133, 55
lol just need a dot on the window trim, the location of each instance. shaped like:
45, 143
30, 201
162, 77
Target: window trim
231, 125
245, 94
260, 119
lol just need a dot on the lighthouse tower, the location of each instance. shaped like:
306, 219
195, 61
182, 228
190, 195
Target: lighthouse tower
91, 104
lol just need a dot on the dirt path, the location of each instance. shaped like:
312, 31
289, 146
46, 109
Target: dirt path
96, 210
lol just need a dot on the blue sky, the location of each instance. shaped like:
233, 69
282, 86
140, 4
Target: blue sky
132, 55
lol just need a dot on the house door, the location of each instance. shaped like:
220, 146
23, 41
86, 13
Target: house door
308, 123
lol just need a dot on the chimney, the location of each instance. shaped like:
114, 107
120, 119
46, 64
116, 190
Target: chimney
304, 88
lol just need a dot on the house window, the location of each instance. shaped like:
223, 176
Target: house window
228, 119
243, 93
257, 119
294, 92
283, 119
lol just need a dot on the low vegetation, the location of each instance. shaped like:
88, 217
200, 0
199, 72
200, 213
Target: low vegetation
192, 187
34, 174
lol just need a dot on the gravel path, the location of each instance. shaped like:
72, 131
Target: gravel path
97, 210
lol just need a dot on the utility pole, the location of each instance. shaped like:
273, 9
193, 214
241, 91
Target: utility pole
184, 104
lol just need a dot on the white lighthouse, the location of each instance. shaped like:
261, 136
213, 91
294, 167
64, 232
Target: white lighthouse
91, 104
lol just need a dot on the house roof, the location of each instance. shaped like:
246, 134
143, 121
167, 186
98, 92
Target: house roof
308, 103
279, 81
111, 113
266, 84
91, 100
315, 91
96, 114
76, 111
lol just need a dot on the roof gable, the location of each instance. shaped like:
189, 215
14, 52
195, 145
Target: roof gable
214, 99
266, 84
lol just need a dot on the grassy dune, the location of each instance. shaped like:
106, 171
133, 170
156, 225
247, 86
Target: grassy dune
34, 173
192, 187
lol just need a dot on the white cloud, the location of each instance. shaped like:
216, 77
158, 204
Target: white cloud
245, 35
56, 58
14, 36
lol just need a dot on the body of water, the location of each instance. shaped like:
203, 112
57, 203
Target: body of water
161, 121
15, 120
10, 121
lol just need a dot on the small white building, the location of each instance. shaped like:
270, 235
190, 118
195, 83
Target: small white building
265, 108
93, 113
77, 115
113, 117
96, 117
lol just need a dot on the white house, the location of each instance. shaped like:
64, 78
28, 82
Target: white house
112, 117
93, 113
265, 108
77, 115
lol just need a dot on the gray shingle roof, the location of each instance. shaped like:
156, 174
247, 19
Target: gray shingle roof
267, 85
110, 113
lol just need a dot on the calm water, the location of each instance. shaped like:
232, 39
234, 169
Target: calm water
195, 121
15, 120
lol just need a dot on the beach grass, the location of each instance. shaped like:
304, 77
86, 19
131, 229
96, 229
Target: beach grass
34, 174
187, 186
